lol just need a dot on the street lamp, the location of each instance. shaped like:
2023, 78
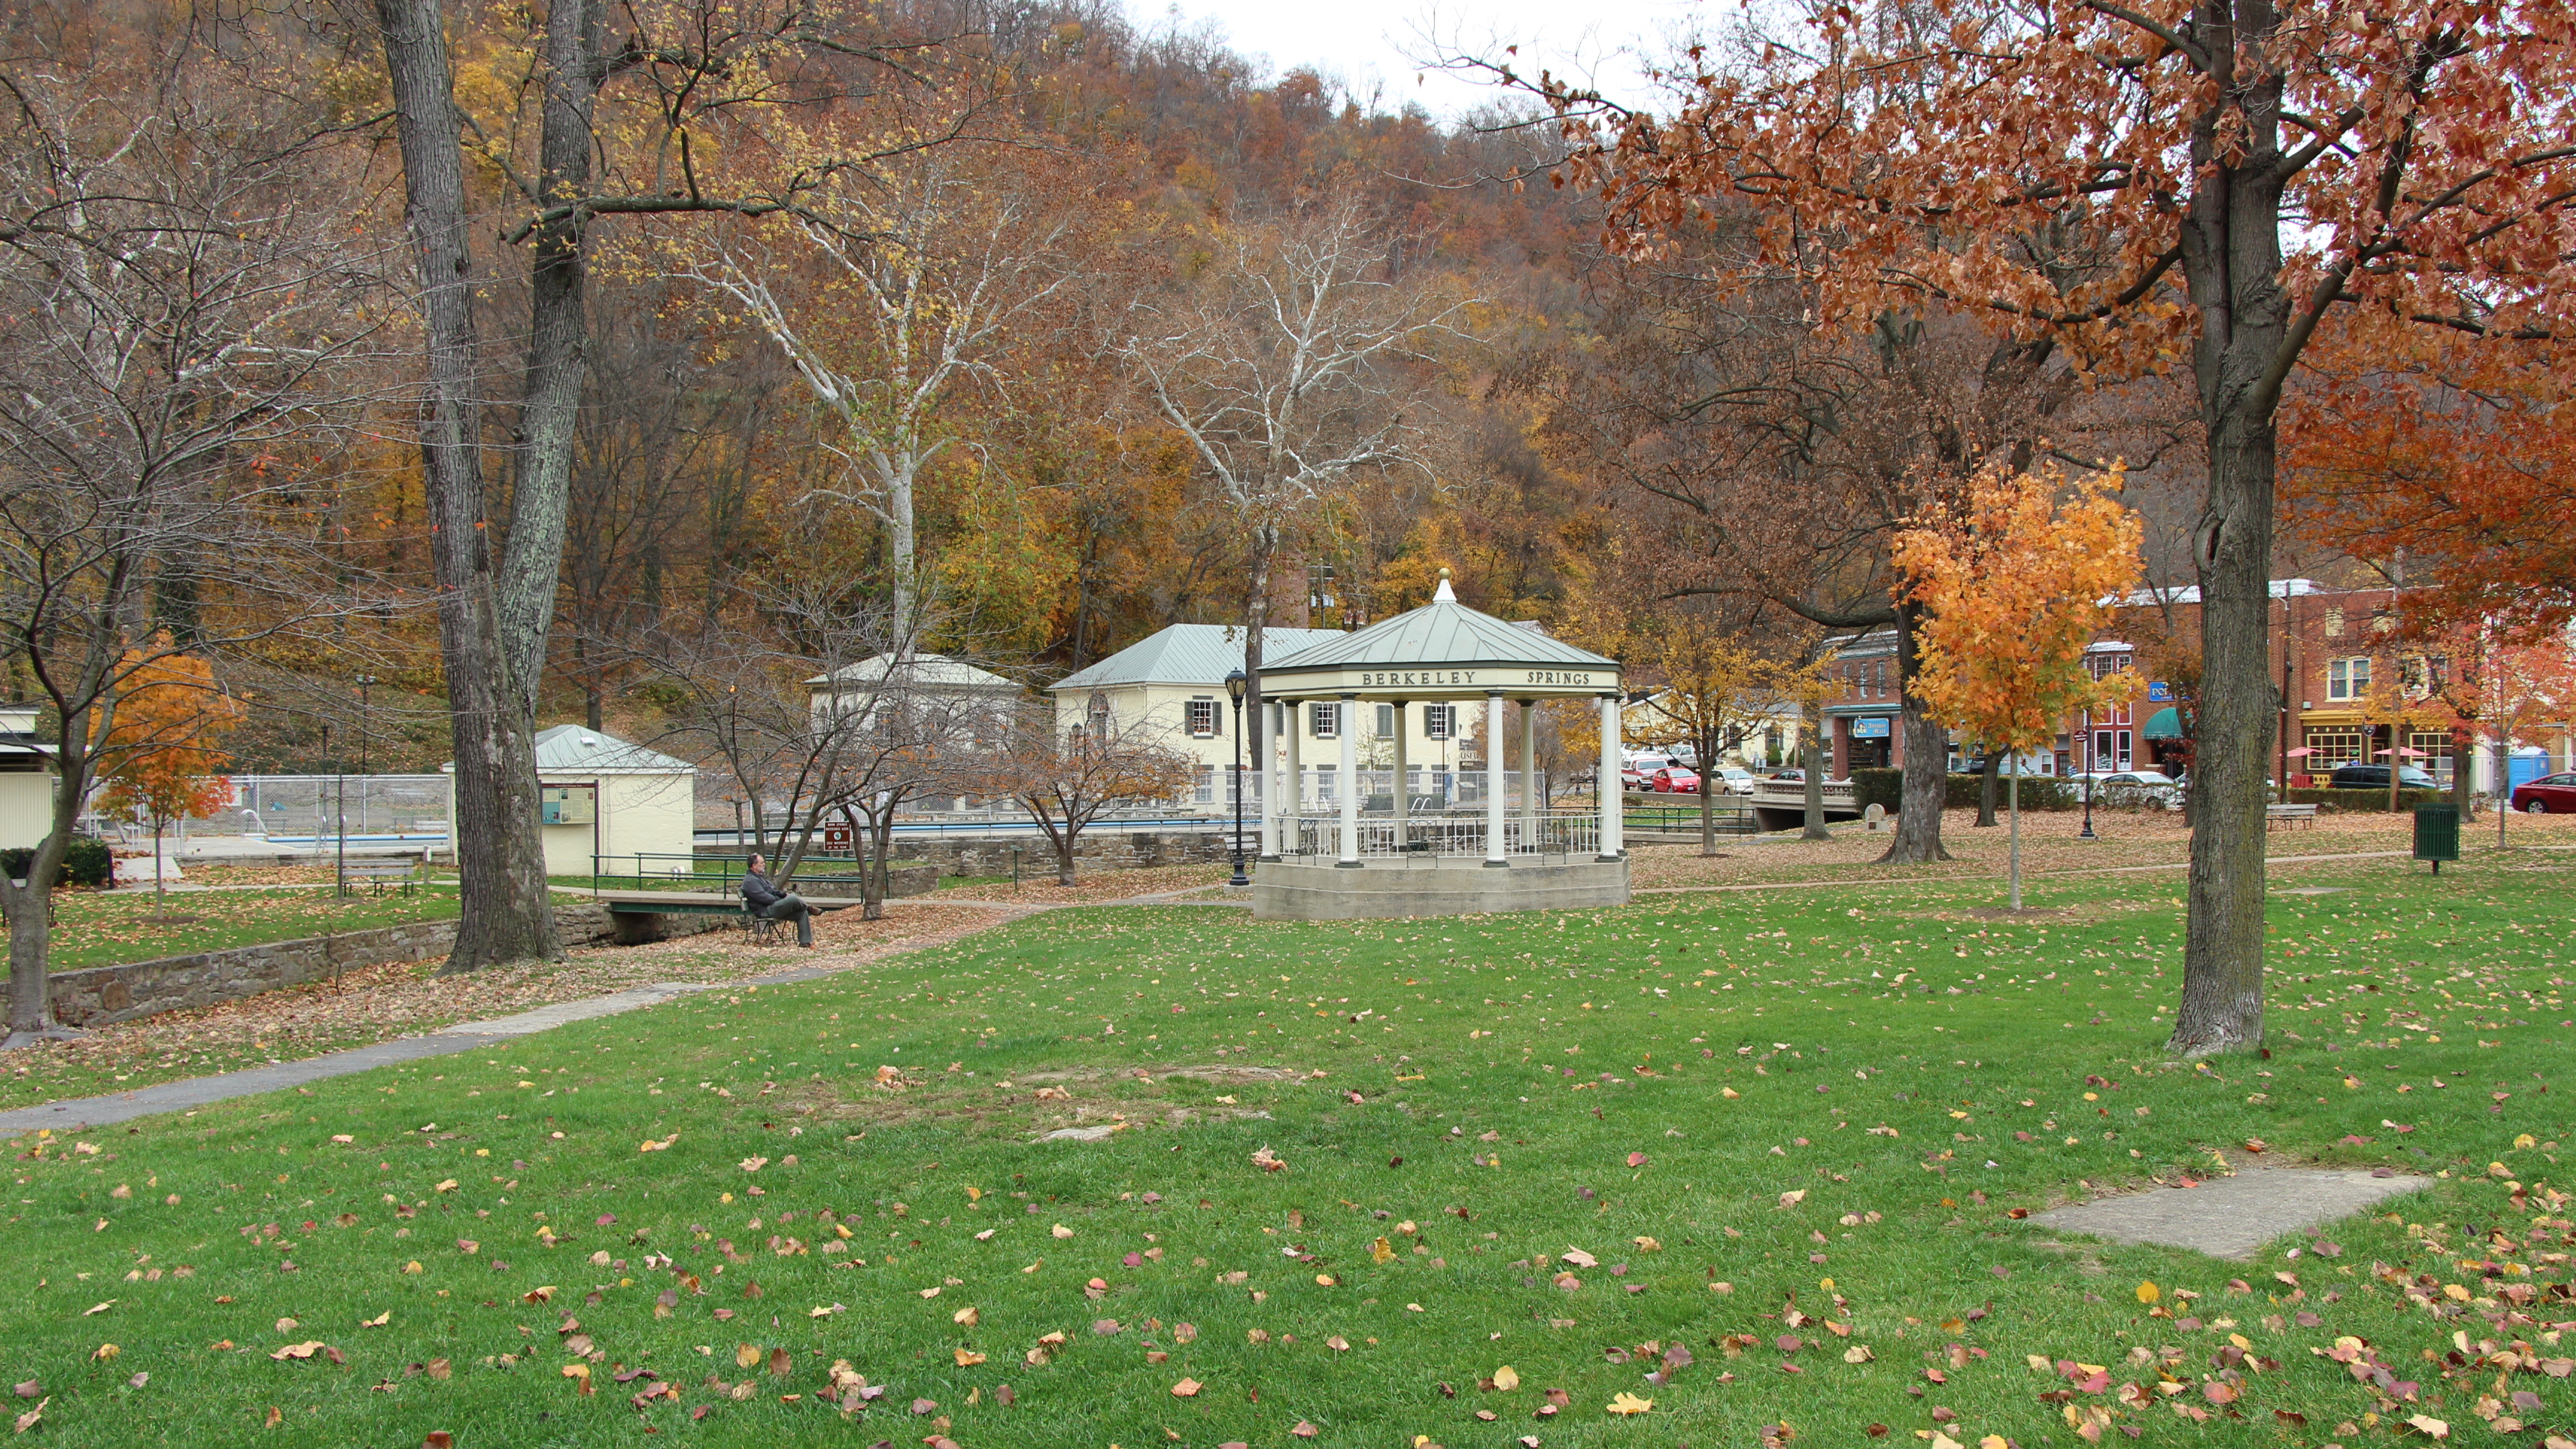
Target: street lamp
2092, 765
364, 683
1234, 683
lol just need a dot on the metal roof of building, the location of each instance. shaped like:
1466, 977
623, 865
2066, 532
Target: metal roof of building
1191, 654
924, 671
1441, 633
577, 749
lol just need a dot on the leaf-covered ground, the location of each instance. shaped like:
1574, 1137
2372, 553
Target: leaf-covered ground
107, 928
1712, 1170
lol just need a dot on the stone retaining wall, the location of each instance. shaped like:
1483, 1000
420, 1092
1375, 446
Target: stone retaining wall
100, 995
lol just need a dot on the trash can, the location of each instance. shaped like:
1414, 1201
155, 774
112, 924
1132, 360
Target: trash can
2437, 834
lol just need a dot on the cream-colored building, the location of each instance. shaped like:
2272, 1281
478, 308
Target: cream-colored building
26, 780
1173, 685
603, 799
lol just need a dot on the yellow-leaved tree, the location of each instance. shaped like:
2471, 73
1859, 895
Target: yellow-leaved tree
2016, 581
164, 757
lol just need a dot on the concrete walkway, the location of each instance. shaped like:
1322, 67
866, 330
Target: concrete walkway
464, 1036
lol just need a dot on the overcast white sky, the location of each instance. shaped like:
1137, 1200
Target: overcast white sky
1383, 40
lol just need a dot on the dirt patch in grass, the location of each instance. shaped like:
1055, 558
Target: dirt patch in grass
1030, 1105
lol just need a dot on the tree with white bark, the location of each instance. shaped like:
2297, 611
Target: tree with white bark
1296, 364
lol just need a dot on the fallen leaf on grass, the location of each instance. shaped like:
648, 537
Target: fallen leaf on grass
1506, 1379
99, 1309
1186, 1389
36, 1415
306, 1349
1627, 1403
1305, 1430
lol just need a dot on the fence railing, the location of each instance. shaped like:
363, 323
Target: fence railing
1554, 832
1732, 817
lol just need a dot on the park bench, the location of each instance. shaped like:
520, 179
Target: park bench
2300, 814
380, 873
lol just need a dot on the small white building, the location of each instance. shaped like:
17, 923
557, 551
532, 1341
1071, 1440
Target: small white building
1173, 684
26, 779
606, 800
953, 683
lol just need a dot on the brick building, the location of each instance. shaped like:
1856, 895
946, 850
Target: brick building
2329, 647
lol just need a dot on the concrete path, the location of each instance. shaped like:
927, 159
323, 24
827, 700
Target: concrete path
2232, 1217
464, 1036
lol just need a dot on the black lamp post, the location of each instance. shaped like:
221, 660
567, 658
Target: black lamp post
1234, 683
2091, 768
364, 682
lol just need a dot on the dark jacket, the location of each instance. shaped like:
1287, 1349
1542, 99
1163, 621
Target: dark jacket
757, 890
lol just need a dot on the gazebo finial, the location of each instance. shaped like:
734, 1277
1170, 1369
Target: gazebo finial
1446, 595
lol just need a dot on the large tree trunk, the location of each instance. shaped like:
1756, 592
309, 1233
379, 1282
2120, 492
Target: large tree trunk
1812, 771
2222, 993
1986, 786
2231, 243
1925, 785
505, 914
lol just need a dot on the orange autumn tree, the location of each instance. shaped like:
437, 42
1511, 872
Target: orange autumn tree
2160, 186
2015, 586
163, 755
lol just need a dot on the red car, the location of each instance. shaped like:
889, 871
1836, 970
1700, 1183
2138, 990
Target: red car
1673, 780
2548, 795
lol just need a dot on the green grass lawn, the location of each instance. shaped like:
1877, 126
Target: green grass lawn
1765, 1145
106, 928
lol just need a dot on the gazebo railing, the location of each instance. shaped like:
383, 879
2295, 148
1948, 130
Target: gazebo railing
1551, 832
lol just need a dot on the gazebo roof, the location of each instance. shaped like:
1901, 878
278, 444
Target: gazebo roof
1444, 647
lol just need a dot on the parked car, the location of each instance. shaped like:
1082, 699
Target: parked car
1673, 780
1639, 768
1733, 780
2132, 787
1791, 776
2375, 777
2548, 795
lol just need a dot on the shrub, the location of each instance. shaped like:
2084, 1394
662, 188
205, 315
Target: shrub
2370, 801
85, 862
1959, 792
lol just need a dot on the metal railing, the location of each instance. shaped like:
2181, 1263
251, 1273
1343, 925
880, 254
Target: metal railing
1554, 832
1732, 817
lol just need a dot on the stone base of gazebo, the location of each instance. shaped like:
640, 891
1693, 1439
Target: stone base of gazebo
1452, 885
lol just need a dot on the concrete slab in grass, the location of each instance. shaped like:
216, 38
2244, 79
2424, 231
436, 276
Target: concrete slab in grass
2231, 1217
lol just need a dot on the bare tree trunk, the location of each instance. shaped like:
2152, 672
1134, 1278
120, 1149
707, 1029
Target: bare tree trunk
1704, 748
1924, 788
504, 911
31, 1003
2222, 991
1986, 787
1813, 770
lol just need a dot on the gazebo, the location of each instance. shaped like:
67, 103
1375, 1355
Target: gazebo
1403, 859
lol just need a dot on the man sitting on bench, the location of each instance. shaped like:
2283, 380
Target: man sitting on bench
765, 899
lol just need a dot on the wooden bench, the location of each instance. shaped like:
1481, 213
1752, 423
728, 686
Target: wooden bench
379, 873
2301, 814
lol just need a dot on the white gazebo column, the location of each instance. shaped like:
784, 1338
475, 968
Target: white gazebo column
1608, 789
1400, 788
1265, 766
1496, 775
1345, 729
1529, 775
1292, 800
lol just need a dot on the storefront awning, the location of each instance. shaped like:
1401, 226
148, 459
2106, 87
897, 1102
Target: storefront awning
2164, 724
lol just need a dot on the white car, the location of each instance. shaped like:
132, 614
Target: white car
1733, 780
2131, 787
